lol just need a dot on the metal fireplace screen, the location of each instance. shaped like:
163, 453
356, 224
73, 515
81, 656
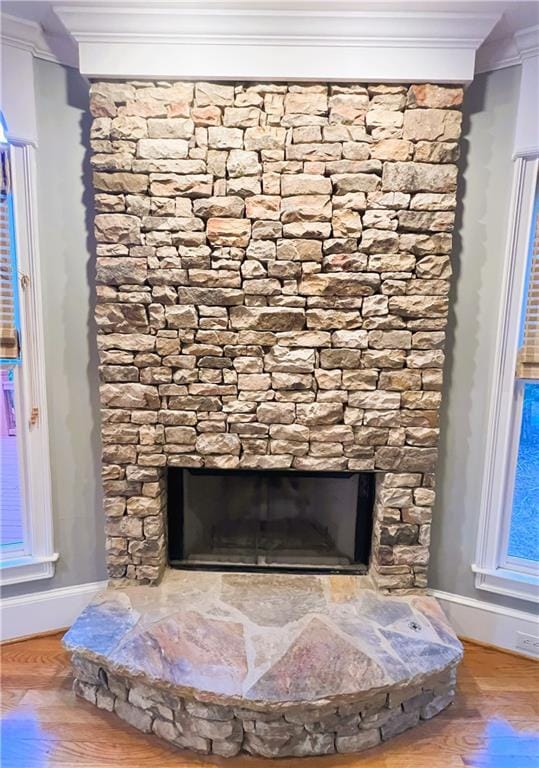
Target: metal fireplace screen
278, 520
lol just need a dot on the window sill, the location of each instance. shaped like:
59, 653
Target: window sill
511, 583
27, 568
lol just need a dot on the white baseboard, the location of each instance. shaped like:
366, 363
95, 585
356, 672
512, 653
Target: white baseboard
44, 611
486, 622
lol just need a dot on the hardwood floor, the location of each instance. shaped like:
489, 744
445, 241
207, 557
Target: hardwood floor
493, 724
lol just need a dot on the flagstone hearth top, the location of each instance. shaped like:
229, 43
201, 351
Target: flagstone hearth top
265, 640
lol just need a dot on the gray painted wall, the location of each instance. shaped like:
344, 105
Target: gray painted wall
71, 358
64, 208
481, 237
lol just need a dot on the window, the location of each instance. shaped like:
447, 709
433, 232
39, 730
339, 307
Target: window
12, 536
522, 546
26, 544
507, 560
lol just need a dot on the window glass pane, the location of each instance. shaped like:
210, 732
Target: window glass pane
524, 531
11, 529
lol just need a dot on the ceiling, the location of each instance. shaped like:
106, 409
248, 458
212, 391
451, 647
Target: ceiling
515, 14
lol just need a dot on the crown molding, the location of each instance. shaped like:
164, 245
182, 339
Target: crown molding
29, 36
509, 51
527, 42
253, 40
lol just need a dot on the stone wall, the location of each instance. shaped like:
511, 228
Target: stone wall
273, 274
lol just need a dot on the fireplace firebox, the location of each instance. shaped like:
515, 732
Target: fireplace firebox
270, 520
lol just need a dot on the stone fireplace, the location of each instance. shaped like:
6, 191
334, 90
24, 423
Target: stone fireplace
273, 265
273, 272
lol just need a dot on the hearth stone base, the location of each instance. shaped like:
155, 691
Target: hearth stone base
294, 732
270, 664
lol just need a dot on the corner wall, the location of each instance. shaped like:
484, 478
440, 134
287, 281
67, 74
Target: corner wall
481, 230
70, 354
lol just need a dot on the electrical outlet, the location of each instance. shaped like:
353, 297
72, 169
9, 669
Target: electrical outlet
528, 643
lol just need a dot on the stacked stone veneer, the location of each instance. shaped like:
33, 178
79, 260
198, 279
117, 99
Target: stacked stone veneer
273, 272
285, 731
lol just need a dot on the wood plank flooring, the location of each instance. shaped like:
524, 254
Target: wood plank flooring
493, 724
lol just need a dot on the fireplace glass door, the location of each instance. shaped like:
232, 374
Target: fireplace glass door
270, 519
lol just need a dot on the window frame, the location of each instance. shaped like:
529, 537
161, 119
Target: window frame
36, 559
495, 570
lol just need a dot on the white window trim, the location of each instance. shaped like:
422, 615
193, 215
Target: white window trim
495, 572
37, 559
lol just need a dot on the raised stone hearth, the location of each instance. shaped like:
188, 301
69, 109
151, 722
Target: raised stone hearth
271, 664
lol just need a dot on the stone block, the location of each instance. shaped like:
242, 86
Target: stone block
392, 149
129, 396
229, 232
220, 207
117, 228
436, 152
218, 443
121, 317
299, 250
241, 163
138, 718
170, 128
344, 183
358, 741
267, 318
267, 137
390, 339
214, 94
434, 96
306, 103
330, 319
225, 747
190, 185
346, 223
419, 177
133, 183
86, 691
419, 306
263, 207
401, 722
208, 115
296, 208
254, 381
241, 117
320, 153
225, 138
339, 284
348, 108
379, 241
314, 414
340, 358
432, 124
166, 149
437, 705
288, 360
305, 184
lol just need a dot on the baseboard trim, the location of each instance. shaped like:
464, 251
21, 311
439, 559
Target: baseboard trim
486, 623
490, 647
34, 636
44, 612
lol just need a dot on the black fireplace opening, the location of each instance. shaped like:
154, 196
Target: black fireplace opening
270, 520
